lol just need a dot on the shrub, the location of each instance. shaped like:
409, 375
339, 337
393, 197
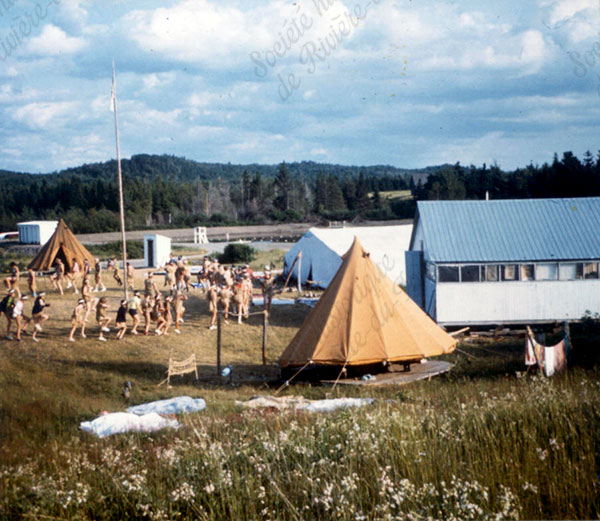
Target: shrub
237, 253
135, 249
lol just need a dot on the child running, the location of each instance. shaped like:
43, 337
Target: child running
134, 310
168, 315
225, 300
31, 282
98, 277
78, 319
117, 272
19, 317
38, 315
179, 309
121, 320
130, 276
146, 309
157, 315
102, 319
213, 298
58, 276
12, 282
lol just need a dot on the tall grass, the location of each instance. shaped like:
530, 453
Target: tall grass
520, 448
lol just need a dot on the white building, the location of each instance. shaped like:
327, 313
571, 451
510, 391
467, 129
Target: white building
322, 250
505, 262
157, 250
36, 232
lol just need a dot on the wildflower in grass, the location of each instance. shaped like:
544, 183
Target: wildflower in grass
185, 492
542, 454
529, 487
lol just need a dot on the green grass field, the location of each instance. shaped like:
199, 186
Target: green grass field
394, 194
482, 442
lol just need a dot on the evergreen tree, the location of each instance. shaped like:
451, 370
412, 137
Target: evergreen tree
283, 187
334, 194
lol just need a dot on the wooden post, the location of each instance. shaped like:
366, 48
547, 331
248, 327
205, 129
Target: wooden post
299, 272
218, 343
264, 340
120, 182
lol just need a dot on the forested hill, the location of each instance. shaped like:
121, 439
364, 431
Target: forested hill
164, 191
148, 167
173, 191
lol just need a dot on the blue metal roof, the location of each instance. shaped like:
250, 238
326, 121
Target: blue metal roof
511, 230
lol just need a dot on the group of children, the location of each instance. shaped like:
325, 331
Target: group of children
152, 306
13, 307
230, 289
75, 272
227, 289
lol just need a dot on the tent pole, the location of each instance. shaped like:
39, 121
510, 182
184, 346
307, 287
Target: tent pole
218, 343
291, 271
289, 381
264, 338
339, 375
120, 180
299, 272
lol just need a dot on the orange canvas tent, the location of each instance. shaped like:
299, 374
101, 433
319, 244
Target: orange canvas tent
64, 245
364, 318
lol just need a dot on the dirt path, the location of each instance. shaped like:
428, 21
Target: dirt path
274, 231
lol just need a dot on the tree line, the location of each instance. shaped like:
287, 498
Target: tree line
165, 191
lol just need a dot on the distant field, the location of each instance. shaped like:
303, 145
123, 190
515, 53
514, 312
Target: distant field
394, 194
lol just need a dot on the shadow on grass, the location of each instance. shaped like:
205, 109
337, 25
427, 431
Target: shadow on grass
486, 360
240, 374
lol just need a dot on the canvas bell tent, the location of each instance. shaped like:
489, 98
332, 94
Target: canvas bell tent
364, 319
63, 245
322, 250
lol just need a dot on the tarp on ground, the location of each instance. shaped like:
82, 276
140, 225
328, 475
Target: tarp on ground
322, 250
64, 245
364, 318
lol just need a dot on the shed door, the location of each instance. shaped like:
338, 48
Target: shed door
151, 253
414, 276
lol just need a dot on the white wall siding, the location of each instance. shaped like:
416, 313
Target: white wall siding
515, 302
36, 232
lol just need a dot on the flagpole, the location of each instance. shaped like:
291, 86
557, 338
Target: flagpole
120, 179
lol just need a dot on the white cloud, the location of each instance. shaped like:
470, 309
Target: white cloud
192, 30
72, 10
54, 41
9, 95
562, 10
156, 80
43, 115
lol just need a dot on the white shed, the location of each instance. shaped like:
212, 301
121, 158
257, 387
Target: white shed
322, 250
157, 250
505, 261
36, 232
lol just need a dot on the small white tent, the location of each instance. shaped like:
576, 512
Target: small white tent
322, 250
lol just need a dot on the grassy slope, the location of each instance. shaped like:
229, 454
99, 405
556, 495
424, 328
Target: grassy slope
481, 424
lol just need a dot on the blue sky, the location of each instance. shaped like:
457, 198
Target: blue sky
364, 82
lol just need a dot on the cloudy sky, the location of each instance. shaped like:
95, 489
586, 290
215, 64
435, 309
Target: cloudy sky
365, 82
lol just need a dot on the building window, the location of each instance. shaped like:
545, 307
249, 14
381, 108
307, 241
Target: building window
469, 273
448, 273
589, 270
527, 272
510, 272
569, 271
430, 270
489, 273
546, 271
